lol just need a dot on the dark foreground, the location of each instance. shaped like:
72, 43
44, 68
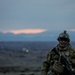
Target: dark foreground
23, 58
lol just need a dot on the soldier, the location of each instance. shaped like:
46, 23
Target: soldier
53, 65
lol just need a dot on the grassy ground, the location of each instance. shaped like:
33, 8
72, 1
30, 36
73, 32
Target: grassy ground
21, 63
20, 73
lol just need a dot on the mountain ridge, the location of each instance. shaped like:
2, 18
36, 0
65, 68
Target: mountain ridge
44, 36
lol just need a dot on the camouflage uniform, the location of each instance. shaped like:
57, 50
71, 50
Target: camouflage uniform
52, 64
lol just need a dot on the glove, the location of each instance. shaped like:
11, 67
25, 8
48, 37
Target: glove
57, 67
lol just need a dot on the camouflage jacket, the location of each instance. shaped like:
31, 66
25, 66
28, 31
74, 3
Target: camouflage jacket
48, 63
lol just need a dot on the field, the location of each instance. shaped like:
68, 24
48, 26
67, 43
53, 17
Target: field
23, 58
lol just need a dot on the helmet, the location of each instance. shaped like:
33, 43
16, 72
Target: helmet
64, 35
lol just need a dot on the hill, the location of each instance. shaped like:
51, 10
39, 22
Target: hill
45, 36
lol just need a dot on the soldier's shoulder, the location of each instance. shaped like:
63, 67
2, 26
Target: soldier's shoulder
72, 49
51, 51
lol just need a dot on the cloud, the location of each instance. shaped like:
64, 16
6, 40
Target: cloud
48, 14
26, 31
73, 30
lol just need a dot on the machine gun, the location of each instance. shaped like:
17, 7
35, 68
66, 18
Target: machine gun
67, 64
64, 61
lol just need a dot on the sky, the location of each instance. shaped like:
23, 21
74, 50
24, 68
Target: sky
25, 16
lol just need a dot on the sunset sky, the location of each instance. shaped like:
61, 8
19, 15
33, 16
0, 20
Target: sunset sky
26, 31
36, 16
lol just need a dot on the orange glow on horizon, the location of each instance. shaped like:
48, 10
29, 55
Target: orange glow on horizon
26, 31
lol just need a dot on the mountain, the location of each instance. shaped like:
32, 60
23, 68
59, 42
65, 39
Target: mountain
45, 36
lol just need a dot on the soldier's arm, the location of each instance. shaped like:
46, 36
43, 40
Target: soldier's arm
46, 64
73, 56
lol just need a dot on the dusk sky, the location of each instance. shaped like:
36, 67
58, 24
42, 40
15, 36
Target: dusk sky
23, 16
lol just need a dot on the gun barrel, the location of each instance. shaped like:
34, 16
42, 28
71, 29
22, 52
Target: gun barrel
67, 65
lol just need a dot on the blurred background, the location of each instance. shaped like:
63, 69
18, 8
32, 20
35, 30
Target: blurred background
29, 29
